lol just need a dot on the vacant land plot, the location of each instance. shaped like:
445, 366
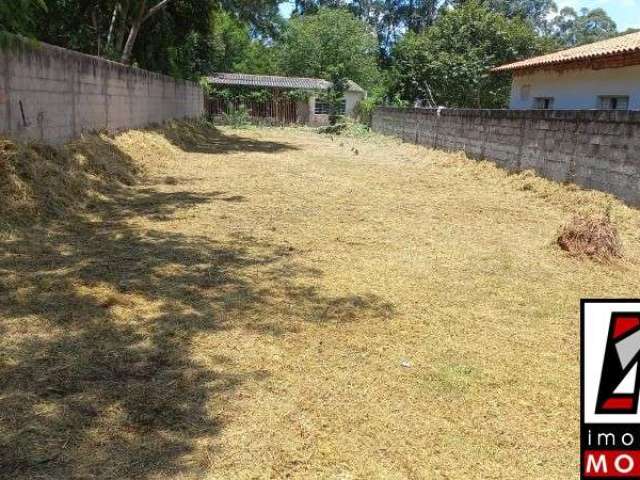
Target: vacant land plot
274, 303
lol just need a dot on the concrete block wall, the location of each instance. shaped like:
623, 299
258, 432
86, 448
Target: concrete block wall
52, 94
595, 149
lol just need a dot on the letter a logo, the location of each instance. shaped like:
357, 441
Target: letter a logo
619, 382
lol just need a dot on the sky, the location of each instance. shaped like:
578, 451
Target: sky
286, 8
626, 13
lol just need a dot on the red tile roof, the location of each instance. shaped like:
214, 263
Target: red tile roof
271, 81
614, 46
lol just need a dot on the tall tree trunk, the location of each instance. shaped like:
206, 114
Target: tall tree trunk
96, 26
112, 25
122, 26
143, 16
133, 33
131, 40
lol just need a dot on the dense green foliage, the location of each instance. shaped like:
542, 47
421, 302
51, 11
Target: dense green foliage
402, 51
450, 63
330, 44
18, 16
389, 18
186, 38
536, 12
586, 26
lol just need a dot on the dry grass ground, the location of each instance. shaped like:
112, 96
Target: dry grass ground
273, 303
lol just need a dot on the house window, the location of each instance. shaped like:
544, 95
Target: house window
543, 103
323, 108
613, 103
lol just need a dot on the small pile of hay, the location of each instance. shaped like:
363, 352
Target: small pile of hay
591, 235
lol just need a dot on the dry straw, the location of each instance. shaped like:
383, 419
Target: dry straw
591, 235
200, 303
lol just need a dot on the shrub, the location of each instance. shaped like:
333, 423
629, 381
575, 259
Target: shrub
347, 128
365, 108
237, 117
336, 129
591, 235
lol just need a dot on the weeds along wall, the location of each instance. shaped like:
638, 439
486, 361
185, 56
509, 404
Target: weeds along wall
594, 149
52, 94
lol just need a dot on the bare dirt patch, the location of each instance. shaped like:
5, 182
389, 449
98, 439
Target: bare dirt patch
288, 309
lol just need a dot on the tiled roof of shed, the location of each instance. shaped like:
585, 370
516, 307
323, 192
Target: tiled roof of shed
271, 81
614, 46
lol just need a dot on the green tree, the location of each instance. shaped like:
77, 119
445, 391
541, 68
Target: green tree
309, 7
219, 49
183, 17
573, 28
18, 16
418, 15
534, 11
451, 62
185, 38
234, 47
259, 58
79, 25
230, 39
332, 44
388, 17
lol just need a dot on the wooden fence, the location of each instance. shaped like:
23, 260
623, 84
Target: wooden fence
276, 111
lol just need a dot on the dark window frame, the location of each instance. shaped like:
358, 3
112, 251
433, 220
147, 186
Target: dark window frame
544, 103
322, 108
613, 102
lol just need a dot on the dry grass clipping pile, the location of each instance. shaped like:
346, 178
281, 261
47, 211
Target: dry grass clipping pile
591, 235
40, 181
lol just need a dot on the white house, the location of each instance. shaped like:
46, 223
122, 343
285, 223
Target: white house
312, 111
603, 75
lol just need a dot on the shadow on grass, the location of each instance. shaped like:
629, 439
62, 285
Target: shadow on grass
97, 377
208, 139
